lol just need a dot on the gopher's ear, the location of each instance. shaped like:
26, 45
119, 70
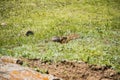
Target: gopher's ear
28, 33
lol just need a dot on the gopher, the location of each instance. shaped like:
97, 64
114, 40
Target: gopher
65, 39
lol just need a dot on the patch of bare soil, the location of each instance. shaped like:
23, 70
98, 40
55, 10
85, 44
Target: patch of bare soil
76, 70
10, 70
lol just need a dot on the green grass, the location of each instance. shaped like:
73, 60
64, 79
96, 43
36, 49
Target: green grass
96, 21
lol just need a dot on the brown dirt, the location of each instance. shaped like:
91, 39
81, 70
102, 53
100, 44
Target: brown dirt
76, 70
10, 70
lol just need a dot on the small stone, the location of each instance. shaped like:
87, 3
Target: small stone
56, 79
3, 24
105, 79
95, 67
8, 59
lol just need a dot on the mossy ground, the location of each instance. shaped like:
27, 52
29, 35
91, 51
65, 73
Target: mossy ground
96, 21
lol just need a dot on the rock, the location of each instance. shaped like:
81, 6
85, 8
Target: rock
109, 73
12, 71
8, 59
96, 67
3, 24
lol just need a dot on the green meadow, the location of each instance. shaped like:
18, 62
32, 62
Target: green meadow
96, 21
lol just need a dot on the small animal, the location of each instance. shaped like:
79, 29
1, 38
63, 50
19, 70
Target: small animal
56, 39
28, 33
65, 39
